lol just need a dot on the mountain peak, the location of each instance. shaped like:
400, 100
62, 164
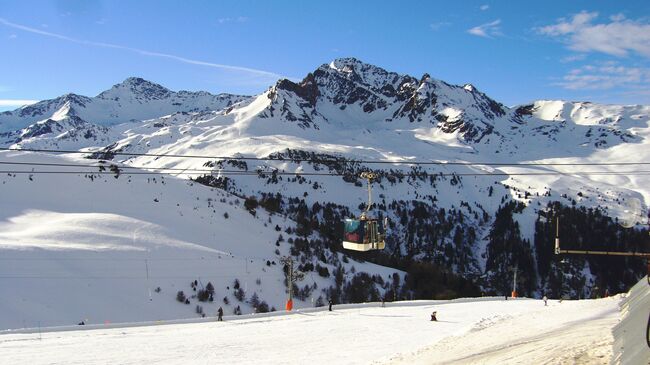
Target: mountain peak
469, 87
137, 86
351, 65
345, 64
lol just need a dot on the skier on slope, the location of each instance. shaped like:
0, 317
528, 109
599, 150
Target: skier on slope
220, 314
433, 316
330, 303
545, 299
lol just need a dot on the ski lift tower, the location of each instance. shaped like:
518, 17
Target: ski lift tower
559, 250
646, 255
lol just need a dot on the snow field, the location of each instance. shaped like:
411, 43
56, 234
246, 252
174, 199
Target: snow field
357, 334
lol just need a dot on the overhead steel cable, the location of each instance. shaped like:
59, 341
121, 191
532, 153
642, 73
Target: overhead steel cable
225, 259
280, 173
215, 171
335, 159
108, 165
208, 275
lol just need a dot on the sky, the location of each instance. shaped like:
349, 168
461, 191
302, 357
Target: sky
514, 51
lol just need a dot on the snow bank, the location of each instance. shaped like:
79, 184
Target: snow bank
630, 334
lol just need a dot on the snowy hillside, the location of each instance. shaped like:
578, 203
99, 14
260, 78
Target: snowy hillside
496, 180
97, 249
479, 331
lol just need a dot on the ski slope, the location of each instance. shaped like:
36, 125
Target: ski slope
96, 248
480, 331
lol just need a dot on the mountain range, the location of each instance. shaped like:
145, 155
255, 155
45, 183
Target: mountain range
484, 202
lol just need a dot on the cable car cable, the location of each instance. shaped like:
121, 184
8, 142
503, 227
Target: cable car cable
461, 163
257, 173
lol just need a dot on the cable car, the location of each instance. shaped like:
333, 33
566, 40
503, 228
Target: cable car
365, 233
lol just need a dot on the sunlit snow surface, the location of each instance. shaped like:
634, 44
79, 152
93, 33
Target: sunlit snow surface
478, 331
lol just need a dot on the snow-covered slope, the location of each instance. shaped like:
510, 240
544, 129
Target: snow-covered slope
95, 248
479, 331
631, 333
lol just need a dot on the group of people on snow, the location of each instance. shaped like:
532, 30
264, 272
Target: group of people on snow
434, 314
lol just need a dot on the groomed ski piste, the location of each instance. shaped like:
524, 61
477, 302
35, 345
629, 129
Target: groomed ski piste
488, 330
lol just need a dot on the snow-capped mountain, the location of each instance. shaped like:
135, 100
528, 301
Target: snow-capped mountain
467, 213
64, 132
133, 99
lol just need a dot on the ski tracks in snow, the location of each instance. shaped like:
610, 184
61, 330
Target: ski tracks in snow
548, 336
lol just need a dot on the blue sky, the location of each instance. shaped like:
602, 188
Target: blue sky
515, 51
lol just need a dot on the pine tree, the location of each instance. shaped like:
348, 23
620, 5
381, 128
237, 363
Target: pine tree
263, 307
239, 294
180, 296
254, 301
202, 295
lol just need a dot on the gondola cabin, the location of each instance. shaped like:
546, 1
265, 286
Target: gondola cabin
363, 234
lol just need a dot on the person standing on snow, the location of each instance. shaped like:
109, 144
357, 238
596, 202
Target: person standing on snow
330, 303
220, 314
434, 317
545, 299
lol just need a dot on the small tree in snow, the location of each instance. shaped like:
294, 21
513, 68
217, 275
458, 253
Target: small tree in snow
263, 307
239, 294
180, 296
203, 295
254, 301
209, 288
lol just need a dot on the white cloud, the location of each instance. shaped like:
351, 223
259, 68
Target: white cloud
438, 25
484, 7
260, 73
16, 102
617, 17
618, 37
573, 58
605, 76
12, 36
239, 19
487, 30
